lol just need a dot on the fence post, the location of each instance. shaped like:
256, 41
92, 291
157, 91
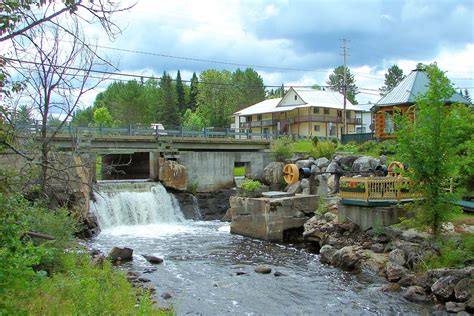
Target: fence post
181, 129
247, 134
226, 133
130, 129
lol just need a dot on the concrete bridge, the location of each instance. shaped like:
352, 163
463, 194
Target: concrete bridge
209, 161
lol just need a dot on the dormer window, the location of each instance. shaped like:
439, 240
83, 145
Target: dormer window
296, 97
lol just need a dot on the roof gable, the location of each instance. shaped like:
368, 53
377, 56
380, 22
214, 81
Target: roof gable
291, 98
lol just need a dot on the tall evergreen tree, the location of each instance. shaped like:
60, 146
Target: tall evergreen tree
336, 82
180, 94
193, 93
168, 103
249, 88
393, 77
467, 96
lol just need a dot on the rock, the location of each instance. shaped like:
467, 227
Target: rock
330, 217
149, 270
374, 262
444, 272
305, 163
333, 167
273, 173
377, 247
346, 162
228, 216
412, 234
423, 280
322, 162
188, 203
121, 254
305, 186
453, 307
241, 273
315, 169
166, 295
331, 183
153, 259
394, 271
365, 164
383, 159
144, 280
262, 269
294, 188
391, 287
392, 233
462, 290
326, 254
213, 205
470, 304
346, 258
407, 280
397, 256
173, 175
415, 294
443, 288
278, 274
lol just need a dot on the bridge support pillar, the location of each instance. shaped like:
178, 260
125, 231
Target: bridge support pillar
154, 165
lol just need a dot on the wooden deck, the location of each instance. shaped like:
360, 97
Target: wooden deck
376, 191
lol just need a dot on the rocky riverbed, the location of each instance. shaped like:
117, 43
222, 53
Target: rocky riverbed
395, 255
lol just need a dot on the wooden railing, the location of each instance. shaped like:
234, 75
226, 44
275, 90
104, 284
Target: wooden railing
377, 189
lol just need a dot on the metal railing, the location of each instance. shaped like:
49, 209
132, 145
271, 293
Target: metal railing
377, 189
299, 119
358, 138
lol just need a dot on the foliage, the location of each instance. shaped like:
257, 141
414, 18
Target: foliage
239, 171
393, 77
83, 117
193, 92
454, 252
275, 93
322, 207
192, 187
336, 82
249, 88
250, 185
430, 146
324, 149
282, 149
180, 94
102, 117
168, 102
193, 120
315, 140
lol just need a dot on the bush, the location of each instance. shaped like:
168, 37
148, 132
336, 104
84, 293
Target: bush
282, 149
324, 149
251, 185
315, 140
454, 252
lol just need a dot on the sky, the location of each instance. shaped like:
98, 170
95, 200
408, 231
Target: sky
293, 42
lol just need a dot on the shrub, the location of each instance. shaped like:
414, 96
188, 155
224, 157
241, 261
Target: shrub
324, 149
315, 140
250, 185
454, 252
282, 149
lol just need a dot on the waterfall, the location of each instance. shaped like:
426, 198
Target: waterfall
128, 203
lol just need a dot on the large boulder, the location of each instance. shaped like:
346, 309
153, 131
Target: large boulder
322, 162
273, 173
326, 254
346, 258
333, 167
121, 254
305, 163
397, 256
394, 271
173, 175
365, 164
416, 294
443, 288
462, 290
453, 307
346, 162
294, 188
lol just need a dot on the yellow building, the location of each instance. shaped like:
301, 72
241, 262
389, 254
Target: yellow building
301, 112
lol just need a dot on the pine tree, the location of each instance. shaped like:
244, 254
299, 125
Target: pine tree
193, 93
467, 96
393, 77
336, 82
180, 95
168, 104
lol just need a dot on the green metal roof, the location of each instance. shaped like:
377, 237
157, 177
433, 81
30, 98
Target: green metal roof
409, 88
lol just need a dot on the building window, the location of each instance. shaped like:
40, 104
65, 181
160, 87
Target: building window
360, 130
315, 110
339, 113
296, 97
249, 118
332, 130
326, 111
317, 128
389, 125
259, 117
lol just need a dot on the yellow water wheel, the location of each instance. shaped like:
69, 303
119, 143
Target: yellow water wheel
291, 173
394, 168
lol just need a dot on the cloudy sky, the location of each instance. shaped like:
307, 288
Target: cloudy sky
295, 42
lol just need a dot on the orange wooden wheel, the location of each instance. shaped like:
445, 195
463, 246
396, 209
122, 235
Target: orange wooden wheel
394, 168
291, 173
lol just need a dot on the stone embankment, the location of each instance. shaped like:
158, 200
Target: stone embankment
394, 254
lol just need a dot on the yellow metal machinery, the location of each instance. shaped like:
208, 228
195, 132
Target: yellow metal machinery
291, 173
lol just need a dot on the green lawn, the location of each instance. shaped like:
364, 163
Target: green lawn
302, 146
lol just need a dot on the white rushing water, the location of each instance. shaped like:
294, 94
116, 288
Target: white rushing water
134, 203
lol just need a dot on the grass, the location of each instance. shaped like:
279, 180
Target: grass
302, 146
239, 171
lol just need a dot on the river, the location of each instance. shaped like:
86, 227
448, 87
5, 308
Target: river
201, 261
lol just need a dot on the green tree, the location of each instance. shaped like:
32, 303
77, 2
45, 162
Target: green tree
193, 120
393, 77
83, 117
336, 83
193, 93
249, 88
169, 114
432, 145
180, 94
216, 97
102, 117
467, 96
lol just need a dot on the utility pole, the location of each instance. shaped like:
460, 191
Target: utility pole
344, 53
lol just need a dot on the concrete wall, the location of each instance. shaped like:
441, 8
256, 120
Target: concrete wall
212, 171
370, 217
